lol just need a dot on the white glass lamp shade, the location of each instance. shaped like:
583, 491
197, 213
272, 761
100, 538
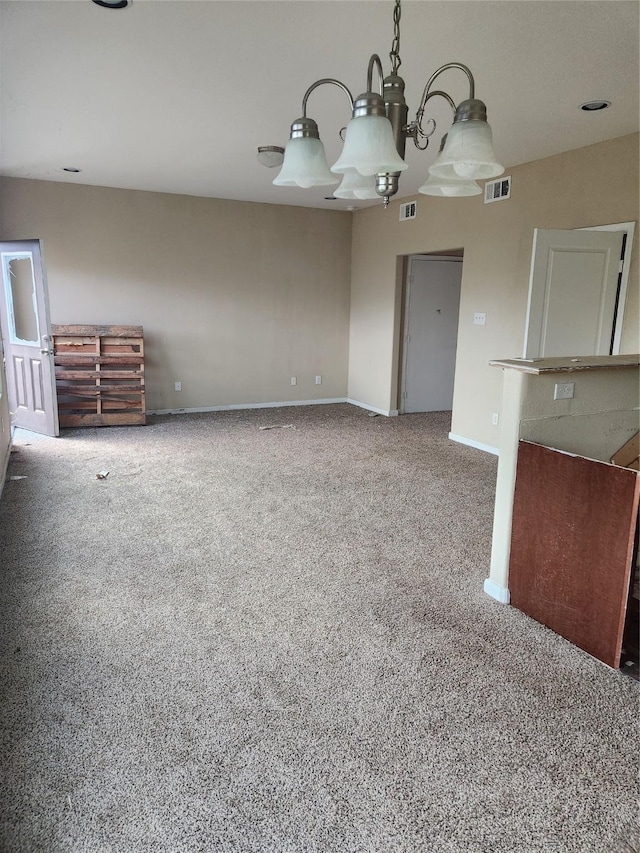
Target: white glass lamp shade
449, 188
305, 165
355, 185
369, 148
468, 153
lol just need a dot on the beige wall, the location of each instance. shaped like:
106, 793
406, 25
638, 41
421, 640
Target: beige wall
235, 298
596, 185
602, 416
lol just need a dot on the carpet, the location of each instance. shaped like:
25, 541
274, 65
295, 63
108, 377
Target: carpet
247, 639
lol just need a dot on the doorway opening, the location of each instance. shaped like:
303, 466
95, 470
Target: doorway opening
628, 230
430, 316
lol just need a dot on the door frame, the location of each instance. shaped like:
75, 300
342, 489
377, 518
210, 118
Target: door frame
406, 284
621, 302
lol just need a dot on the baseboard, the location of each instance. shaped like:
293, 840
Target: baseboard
496, 591
471, 443
388, 413
234, 406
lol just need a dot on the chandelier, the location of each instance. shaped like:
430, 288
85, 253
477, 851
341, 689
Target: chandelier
372, 157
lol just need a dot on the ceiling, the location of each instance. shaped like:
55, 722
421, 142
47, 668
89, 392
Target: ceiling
175, 96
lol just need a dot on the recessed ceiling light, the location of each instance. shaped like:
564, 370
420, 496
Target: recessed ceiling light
113, 4
70, 169
593, 106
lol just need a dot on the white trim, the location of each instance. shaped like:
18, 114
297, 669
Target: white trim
234, 406
388, 413
494, 590
471, 443
527, 318
405, 332
513, 386
629, 228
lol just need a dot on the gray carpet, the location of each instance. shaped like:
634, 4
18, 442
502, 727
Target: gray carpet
277, 640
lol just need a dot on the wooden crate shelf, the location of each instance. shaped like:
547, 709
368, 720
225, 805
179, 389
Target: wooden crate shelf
99, 375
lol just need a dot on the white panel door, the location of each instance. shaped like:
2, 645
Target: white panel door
431, 333
26, 338
572, 293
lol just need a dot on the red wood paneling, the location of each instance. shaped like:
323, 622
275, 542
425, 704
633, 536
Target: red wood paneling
574, 521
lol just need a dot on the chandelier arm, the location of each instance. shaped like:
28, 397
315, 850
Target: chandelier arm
416, 130
438, 72
375, 60
434, 94
322, 83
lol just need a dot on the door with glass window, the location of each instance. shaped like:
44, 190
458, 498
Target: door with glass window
26, 338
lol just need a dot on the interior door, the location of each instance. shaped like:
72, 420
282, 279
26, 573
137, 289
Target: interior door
432, 305
26, 338
573, 292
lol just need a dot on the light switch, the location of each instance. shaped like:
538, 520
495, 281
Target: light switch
479, 318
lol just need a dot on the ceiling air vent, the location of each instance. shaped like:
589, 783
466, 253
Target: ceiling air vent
497, 190
407, 210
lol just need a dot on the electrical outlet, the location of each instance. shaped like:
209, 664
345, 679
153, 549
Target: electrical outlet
178, 386
318, 380
294, 380
495, 418
563, 391
479, 318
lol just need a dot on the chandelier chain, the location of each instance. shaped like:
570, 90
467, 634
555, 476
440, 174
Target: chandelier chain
394, 56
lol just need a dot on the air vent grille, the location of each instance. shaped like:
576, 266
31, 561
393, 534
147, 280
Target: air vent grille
408, 210
498, 190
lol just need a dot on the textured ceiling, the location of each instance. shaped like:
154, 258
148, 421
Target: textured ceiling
175, 96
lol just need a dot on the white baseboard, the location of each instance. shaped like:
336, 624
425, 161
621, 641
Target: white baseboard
496, 591
235, 406
388, 413
471, 443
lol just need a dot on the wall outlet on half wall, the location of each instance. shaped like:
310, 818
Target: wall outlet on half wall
563, 391
178, 386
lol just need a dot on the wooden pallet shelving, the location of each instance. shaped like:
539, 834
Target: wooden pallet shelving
99, 375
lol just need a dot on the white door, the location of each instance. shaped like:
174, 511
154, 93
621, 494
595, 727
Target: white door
26, 338
573, 292
432, 304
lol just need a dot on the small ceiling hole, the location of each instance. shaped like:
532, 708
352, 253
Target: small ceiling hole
113, 4
593, 106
